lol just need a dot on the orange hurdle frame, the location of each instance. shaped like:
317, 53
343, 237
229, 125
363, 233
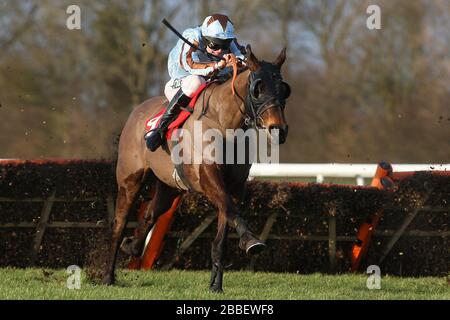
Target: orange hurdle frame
381, 180
154, 247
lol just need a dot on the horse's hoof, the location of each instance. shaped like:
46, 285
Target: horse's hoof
108, 280
215, 289
250, 244
256, 248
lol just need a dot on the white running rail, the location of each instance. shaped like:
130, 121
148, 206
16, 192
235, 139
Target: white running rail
334, 170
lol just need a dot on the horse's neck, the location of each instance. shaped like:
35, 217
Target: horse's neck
227, 109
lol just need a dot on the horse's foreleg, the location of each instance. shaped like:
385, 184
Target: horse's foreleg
211, 180
218, 251
218, 254
248, 241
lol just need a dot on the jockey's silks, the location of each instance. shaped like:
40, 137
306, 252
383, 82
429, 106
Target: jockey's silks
180, 51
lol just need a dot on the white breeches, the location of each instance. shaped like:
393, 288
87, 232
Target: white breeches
188, 84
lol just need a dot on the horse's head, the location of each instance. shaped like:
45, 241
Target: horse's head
266, 95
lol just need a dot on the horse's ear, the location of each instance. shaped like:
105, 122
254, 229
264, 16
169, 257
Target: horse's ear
281, 58
251, 61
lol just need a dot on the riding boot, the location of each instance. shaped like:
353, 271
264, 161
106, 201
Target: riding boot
155, 138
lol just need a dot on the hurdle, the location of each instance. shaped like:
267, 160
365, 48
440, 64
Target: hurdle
384, 179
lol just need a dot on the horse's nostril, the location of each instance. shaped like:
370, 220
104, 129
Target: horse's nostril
282, 137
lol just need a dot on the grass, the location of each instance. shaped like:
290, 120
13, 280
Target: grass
193, 285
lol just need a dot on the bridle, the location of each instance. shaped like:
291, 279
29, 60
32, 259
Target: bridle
256, 103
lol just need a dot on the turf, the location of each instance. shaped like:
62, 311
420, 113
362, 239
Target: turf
193, 285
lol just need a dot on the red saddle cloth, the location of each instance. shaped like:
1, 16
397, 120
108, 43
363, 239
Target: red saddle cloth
153, 122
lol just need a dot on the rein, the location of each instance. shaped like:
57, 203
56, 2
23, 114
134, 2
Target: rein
254, 107
234, 62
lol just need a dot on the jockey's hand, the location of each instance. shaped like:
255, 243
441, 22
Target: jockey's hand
225, 62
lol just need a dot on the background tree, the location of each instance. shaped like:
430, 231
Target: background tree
359, 95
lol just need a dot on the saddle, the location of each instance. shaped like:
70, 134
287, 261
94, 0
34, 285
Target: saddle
153, 122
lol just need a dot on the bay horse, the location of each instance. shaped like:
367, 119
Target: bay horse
259, 101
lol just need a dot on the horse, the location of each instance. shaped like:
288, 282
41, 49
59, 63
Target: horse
258, 101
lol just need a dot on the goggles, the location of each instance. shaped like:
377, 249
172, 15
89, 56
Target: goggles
217, 44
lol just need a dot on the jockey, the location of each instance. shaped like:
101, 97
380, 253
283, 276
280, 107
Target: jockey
189, 68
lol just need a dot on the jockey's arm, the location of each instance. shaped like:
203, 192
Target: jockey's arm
189, 63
